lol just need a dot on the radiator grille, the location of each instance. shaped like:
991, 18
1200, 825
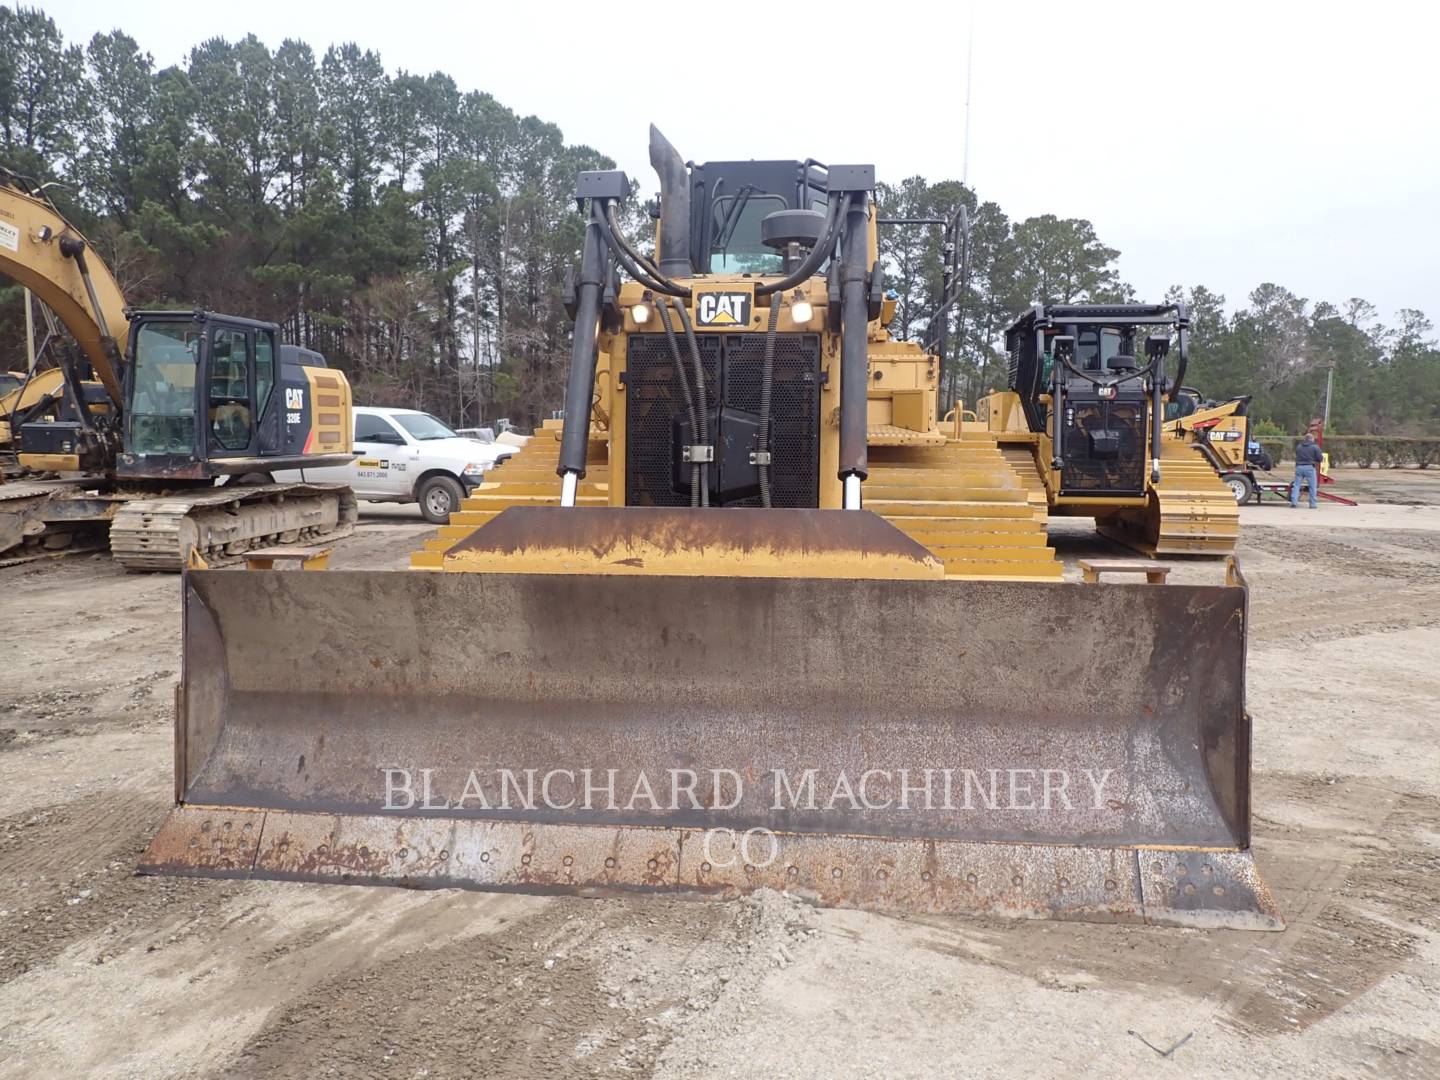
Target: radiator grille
733, 363
1124, 473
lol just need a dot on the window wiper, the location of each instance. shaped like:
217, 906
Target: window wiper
732, 217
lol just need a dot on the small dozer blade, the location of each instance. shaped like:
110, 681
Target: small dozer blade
920, 744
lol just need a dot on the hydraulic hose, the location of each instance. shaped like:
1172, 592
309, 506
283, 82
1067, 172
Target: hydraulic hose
612, 219
684, 380
635, 264
701, 403
643, 271
767, 378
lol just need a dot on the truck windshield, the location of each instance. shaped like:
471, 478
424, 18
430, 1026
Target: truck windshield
162, 401
424, 427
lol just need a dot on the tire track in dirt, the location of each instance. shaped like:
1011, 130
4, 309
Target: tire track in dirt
1359, 893
1368, 928
584, 988
68, 871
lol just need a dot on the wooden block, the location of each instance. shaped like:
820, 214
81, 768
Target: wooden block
309, 558
1155, 573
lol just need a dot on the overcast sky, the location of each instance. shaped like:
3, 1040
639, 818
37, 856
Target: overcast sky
1213, 143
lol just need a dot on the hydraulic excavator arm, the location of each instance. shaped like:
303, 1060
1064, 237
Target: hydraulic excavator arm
45, 253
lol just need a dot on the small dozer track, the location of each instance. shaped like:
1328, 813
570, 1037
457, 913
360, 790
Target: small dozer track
221, 524
1191, 512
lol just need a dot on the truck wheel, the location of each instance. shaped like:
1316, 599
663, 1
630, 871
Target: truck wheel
1242, 487
440, 496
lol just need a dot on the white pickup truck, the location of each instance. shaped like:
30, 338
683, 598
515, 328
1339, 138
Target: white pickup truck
404, 456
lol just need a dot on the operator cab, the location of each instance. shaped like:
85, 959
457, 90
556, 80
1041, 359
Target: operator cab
1105, 348
729, 203
213, 395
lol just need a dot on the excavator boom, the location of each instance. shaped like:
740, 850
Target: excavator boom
45, 253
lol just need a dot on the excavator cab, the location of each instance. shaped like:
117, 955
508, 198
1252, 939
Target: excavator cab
202, 400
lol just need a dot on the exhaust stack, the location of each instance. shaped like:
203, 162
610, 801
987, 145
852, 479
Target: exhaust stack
674, 206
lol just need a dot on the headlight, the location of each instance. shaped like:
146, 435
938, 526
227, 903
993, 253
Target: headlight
800, 309
476, 469
640, 313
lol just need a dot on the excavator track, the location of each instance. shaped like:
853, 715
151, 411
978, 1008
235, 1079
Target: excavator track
221, 524
41, 519
1191, 512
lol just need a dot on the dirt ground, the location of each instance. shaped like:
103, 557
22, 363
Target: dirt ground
106, 973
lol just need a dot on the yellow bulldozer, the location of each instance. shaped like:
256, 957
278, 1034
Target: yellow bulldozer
766, 623
1084, 414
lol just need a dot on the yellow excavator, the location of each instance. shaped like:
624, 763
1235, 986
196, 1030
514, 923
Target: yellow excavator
1084, 414
763, 622
20, 393
162, 429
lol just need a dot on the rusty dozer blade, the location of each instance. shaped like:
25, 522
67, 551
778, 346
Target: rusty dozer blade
1033, 750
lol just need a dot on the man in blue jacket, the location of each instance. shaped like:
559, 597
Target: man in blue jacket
1308, 456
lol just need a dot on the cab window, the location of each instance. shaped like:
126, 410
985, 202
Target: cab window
1096, 347
735, 234
264, 371
162, 401
229, 390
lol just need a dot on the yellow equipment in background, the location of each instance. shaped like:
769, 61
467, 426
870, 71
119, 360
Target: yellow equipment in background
21, 393
770, 626
179, 402
1220, 433
1084, 414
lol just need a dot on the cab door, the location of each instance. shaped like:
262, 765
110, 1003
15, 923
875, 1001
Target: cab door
230, 413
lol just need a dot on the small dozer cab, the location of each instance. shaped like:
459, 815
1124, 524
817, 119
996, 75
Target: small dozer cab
855, 674
1085, 412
